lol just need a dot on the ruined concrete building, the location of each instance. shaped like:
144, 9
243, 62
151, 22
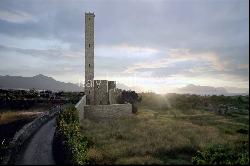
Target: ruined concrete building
100, 100
97, 91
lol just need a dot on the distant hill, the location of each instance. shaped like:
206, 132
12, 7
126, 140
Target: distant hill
202, 90
197, 89
39, 82
125, 87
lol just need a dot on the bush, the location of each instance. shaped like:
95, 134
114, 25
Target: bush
69, 142
154, 101
227, 154
130, 97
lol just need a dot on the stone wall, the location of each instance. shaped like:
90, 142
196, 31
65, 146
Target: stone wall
80, 107
102, 112
26, 132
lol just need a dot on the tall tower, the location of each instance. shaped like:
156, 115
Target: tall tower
89, 58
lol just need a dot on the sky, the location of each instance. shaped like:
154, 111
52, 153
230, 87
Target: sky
153, 45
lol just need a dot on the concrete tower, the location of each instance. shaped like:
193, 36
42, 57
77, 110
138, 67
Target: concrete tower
89, 58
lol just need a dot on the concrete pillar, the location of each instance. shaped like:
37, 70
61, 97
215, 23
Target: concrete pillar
89, 58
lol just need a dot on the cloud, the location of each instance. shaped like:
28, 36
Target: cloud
184, 62
175, 56
16, 16
244, 66
126, 50
67, 65
200, 41
199, 24
211, 57
39, 53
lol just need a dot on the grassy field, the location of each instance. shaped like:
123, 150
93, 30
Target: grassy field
8, 115
11, 116
168, 136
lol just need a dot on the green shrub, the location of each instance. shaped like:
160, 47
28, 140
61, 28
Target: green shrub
130, 97
227, 154
68, 134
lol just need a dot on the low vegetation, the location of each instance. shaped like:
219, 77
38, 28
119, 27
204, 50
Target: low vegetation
25, 99
11, 116
169, 133
155, 137
70, 145
225, 154
130, 97
187, 102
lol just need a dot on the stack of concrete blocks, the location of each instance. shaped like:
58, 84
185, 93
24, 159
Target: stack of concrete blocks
105, 92
111, 85
114, 95
101, 92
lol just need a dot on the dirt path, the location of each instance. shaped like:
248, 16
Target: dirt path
39, 149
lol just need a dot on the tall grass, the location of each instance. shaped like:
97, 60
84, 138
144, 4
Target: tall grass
8, 116
153, 137
11, 116
167, 129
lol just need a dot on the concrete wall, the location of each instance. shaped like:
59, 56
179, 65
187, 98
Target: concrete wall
80, 107
102, 112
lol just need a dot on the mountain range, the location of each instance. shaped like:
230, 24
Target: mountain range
209, 90
39, 82
202, 90
42, 82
